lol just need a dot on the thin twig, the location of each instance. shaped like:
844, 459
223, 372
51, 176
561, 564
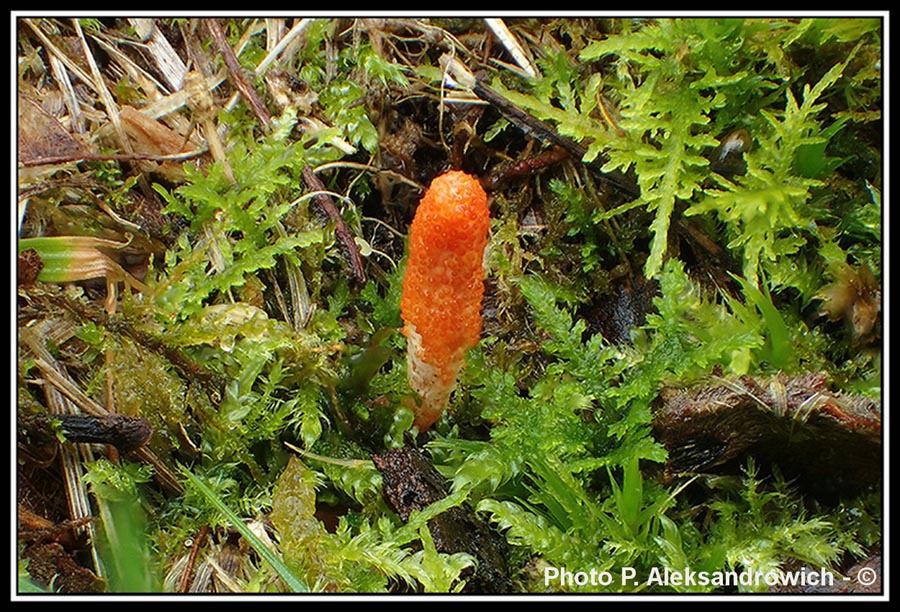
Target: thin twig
370, 168
65, 85
185, 583
236, 72
345, 237
109, 103
62, 159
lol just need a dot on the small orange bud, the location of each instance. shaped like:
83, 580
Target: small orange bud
443, 287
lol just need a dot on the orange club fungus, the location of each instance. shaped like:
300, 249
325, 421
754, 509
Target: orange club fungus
443, 288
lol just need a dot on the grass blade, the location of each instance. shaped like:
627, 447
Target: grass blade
294, 583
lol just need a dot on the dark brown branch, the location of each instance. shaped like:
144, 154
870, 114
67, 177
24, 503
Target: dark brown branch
344, 236
524, 121
524, 167
236, 72
545, 133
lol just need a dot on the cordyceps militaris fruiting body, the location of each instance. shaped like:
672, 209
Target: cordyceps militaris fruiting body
443, 288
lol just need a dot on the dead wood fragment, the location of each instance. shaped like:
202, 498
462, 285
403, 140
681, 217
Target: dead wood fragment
411, 483
169, 64
126, 433
830, 442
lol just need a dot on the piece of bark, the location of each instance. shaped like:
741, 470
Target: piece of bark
830, 442
616, 315
412, 483
49, 565
126, 433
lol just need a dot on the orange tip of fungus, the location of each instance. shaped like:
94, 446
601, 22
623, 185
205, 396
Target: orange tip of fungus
443, 288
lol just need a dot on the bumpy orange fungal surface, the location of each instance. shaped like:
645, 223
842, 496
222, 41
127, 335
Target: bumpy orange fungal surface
444, 286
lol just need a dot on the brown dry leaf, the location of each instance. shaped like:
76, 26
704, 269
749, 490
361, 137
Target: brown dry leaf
41, 136
151, 137
854, 295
